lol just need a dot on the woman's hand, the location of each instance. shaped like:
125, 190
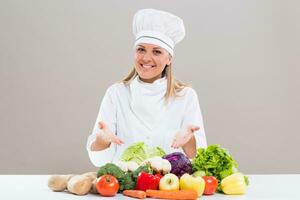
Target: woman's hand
106, 135
184, 136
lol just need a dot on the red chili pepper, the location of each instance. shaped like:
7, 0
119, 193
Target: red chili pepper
147, 181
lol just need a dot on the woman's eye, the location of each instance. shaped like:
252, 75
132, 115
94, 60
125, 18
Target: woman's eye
140, 50
157, 52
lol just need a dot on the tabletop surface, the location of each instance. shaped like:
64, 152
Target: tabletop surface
34, 187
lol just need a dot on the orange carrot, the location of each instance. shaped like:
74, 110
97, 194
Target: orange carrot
135, 193
172, 194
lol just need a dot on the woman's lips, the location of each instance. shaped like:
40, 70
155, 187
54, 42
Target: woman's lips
147, 66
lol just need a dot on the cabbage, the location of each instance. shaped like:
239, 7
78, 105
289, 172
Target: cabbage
180, 163
139, 152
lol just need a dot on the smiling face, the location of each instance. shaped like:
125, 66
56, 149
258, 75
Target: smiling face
150, 61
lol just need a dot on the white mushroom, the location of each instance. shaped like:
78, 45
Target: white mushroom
156, 164
159, 164
166, 166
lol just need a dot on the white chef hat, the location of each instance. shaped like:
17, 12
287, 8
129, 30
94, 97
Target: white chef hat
158, 27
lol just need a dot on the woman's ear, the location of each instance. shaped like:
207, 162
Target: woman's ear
169, 60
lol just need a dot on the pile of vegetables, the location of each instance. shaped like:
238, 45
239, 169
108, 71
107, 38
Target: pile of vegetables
144, 171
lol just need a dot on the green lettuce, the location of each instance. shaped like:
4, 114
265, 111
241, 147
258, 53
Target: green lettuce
214, 161
139, 152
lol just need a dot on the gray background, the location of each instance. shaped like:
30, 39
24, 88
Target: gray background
58, 57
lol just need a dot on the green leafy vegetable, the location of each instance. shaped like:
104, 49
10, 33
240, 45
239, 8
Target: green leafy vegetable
139, 152
214, 161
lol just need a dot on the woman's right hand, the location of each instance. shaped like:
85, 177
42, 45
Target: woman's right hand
106, 135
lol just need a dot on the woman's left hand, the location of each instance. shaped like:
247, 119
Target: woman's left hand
184, 136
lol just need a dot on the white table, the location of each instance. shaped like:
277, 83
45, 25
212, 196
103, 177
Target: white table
34, 187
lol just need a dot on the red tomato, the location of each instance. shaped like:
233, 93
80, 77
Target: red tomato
211, 184
107, 185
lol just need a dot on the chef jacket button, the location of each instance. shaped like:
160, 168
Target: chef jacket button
148, 137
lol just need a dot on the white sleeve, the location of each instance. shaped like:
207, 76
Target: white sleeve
193, 116
107, 114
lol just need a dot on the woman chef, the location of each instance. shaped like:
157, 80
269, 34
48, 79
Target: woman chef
149, 105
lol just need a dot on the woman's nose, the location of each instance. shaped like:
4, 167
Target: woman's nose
147, 57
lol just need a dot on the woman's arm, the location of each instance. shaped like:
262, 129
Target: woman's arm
186, 140
192, 135
100, 143
104, 138
190, 148
99, 146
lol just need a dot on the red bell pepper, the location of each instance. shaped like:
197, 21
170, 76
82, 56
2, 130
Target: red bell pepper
147, 181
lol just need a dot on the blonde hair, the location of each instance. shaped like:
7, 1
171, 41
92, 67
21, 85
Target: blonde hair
173, 86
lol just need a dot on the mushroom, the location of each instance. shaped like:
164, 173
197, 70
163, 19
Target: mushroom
160, 165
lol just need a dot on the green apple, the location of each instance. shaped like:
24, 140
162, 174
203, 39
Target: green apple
199, 173
189, 182
169, 182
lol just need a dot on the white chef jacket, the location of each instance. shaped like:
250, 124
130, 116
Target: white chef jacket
137, 113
